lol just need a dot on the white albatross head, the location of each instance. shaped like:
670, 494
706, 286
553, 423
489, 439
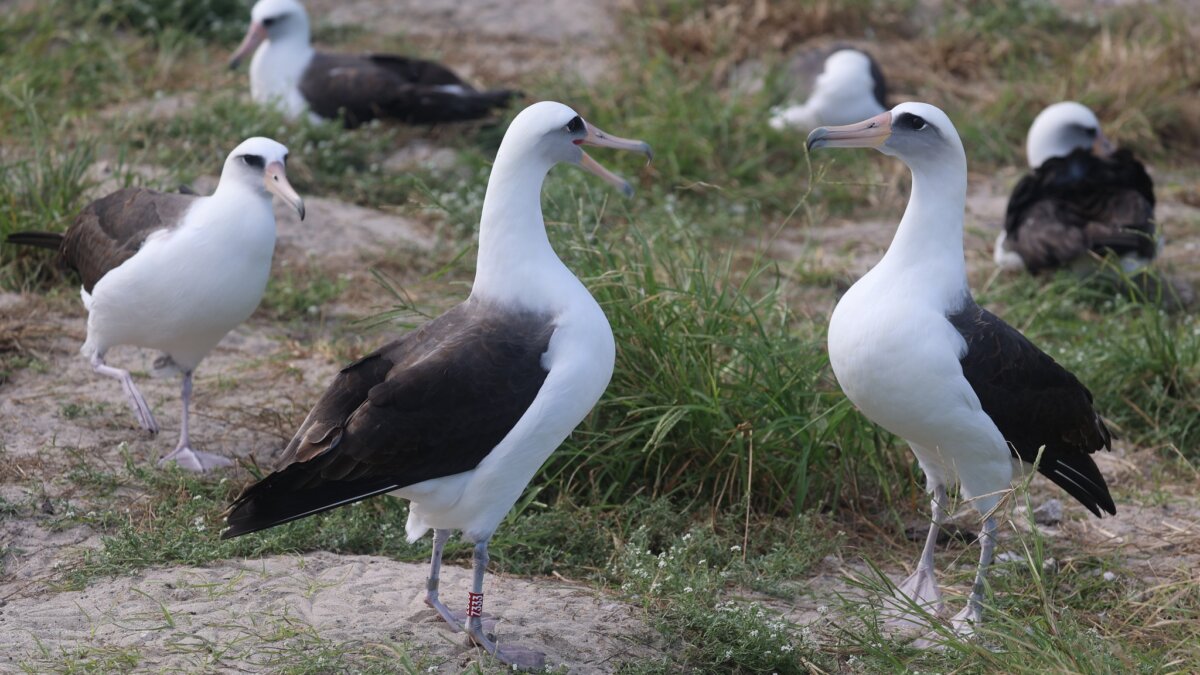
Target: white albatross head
1061, 129
845, 91
260, 164
918, 134
273, 21
548, 133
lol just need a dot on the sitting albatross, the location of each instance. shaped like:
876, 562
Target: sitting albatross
850, 88
458, 415
175, 272
287, 73
1081, 197
974, 399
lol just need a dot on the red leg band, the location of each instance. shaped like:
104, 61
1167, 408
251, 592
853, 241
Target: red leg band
474, 604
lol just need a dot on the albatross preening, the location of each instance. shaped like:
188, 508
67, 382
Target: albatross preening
175, 272
975, 400
458, 415
850, 88
1081, 197
286, 72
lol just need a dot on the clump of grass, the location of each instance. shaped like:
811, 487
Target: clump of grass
217, 19
684, 588
715, 396
41, 191
1050, 609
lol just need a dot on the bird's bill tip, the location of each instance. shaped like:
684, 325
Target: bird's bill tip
600, 139
275, 178
254, 37
869, 133
595, 168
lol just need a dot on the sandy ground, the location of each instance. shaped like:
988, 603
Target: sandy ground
251, 392
242, 615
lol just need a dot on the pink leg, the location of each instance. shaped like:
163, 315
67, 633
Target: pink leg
136, 401
183, 454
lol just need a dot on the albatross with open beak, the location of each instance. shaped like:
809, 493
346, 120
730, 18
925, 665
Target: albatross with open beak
175, 272
458, 415
975, 400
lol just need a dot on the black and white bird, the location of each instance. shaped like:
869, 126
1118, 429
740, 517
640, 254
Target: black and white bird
850, 88
175, 272
288, 74
974, 399
458, 415
1080, 198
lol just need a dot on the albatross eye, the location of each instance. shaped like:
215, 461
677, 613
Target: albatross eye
269, 21
914, 122
575, 125
254, 161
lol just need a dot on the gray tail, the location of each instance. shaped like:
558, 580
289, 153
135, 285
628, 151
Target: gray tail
50, 240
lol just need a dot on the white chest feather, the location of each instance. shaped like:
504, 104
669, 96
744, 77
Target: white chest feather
275, 74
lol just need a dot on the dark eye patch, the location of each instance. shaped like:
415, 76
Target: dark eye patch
911, 121
255, 161
575, 125
269, 21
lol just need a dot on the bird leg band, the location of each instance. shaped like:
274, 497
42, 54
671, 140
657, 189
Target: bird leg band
474, 604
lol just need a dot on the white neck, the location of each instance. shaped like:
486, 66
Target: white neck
929, 240
516, 262
276, 69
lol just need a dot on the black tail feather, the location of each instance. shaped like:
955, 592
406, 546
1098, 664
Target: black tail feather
50, 240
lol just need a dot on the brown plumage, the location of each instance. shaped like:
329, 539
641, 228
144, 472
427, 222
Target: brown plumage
1079, 203
432, 403
110, 230
367, 87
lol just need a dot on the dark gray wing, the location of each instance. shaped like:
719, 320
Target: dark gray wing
1035, 402
1079, 203
433, 403
111, 229
363, 88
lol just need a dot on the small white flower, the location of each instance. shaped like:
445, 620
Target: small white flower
687, 589
785, 649
754, 633
735, 548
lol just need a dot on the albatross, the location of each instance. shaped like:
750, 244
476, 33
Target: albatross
850, 88
288, 74
976, 401
175, 272
458, 415
1081, 197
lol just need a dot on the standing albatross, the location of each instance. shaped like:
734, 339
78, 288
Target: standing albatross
974, 399
850, 88
175, 272
458, 415
287, 73
1080, 197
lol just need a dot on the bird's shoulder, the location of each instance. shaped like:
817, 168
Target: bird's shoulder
110, 230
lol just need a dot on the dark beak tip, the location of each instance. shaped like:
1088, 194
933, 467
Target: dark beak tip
627, 190
646, 150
